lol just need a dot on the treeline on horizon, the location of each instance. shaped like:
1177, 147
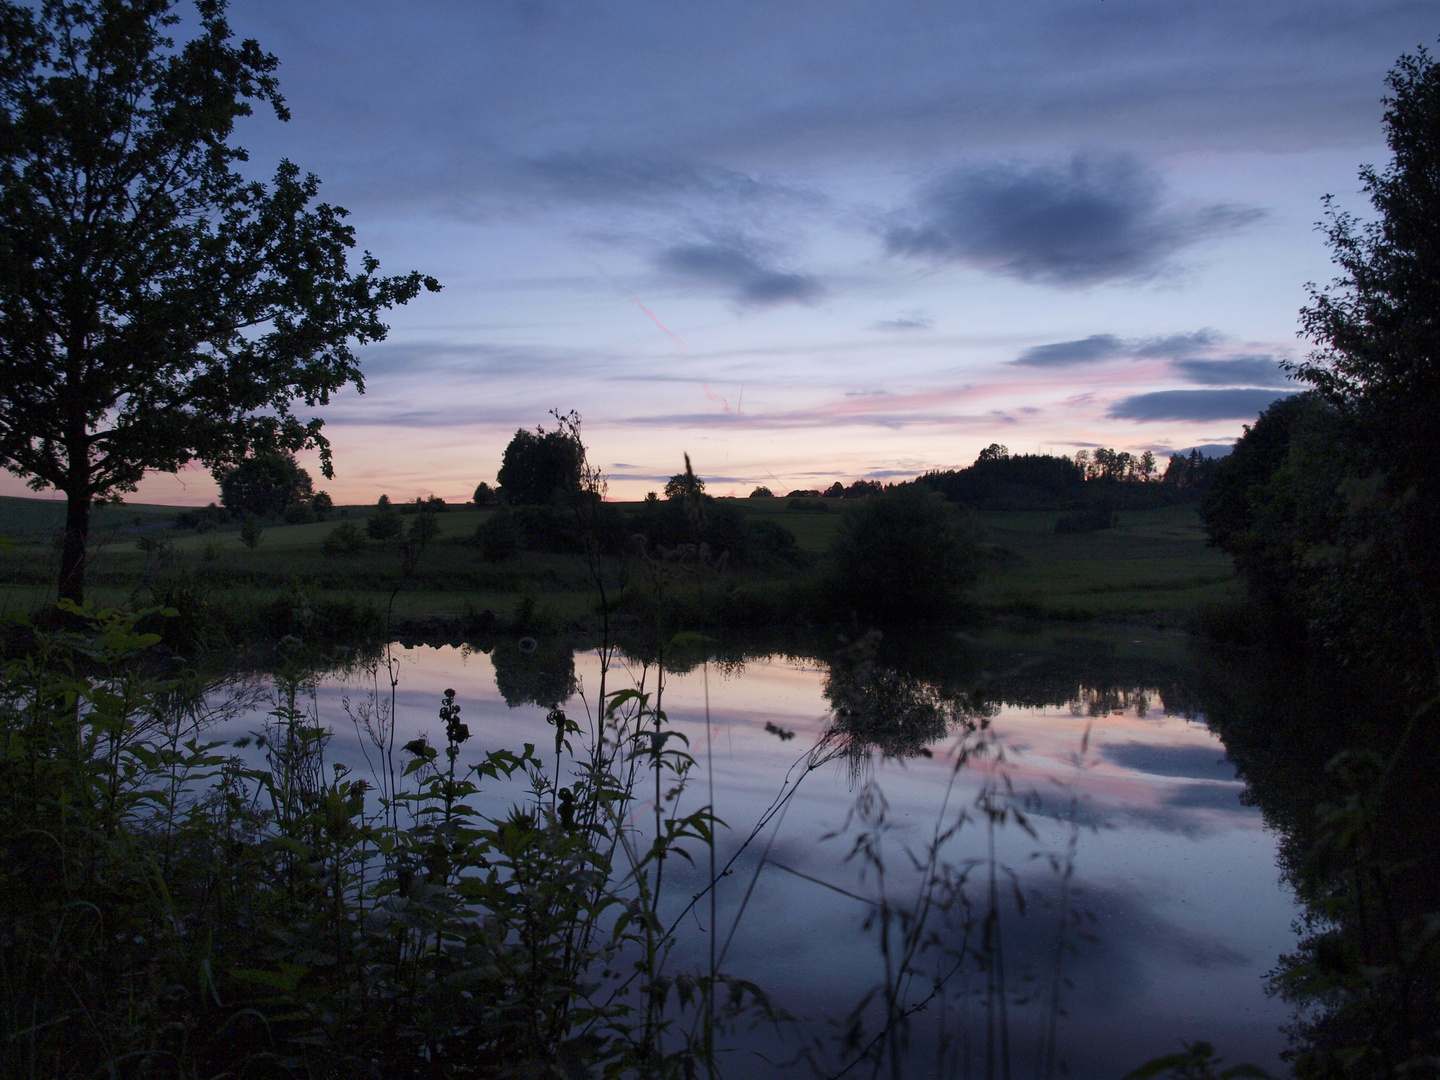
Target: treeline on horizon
543, 468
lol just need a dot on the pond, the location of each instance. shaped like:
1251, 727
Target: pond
1106, 896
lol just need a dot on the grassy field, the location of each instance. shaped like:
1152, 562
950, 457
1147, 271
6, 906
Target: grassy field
1153, 567
1155, 563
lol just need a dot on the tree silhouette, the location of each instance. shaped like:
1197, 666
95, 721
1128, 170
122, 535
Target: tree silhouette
156, 307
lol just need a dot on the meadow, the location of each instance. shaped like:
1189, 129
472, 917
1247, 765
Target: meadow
1153, 567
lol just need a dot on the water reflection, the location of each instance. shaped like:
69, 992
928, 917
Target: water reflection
879, 704
1137, 896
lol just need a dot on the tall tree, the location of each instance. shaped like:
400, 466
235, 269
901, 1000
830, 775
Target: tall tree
157, 308
1378, 362
540, 465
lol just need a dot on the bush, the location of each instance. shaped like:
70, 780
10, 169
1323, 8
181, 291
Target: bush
903, 556
762, 493
345, 539
808, 504
251, 531
498, 536
385, 525
203, 519
300, 514
549, 529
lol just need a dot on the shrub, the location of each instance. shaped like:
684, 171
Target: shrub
251, 531
385, 525
902, 557
345, 539
808, 504
498, 536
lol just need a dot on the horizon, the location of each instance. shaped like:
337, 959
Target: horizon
809, 243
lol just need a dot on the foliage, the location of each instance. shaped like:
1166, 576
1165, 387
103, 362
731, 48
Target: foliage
203, 519
808, 504
712, 530
345, 539
903, 557
173, 908
484, 495
266, 484
762, 493
251, 530
156, 306
498, 536
384, 525
998, 481
1330, 505
540, 467
684, 485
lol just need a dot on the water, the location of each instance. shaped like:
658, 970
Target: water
1175, 911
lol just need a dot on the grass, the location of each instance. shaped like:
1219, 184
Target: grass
41, 515
1155, 563
1154, 567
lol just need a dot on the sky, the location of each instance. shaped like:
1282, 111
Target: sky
826, 240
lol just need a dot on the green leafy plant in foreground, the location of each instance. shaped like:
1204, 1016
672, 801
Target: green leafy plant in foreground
172, 910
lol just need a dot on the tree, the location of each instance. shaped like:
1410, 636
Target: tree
685, 485
484, 495
539, 466
1377, 332
156, 308
902, 556
762, 492
265, 484
993, 452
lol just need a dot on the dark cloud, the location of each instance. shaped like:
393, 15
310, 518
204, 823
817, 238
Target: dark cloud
1093, 220
628, 178
1065, 353
1208, 797
1194, 405
1100, 347
1175, 345
1237, 371
1188, 762
737, 267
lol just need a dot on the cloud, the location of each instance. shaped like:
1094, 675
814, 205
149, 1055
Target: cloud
1065, 353
1194, 405
1096, 219
1208, 797
737, 267
634, 178
907, 320
1187, 762
1174, 345
1237, 371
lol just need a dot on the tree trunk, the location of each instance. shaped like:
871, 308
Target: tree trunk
77, 538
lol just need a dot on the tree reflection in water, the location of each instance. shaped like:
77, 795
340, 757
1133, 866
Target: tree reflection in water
1345, 774
880, 706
